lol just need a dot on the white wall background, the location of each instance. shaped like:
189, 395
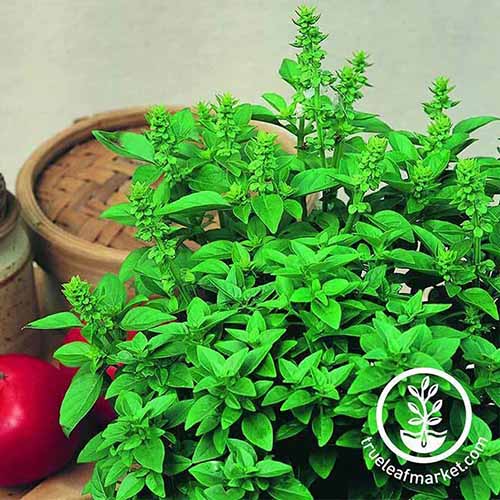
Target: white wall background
62, 59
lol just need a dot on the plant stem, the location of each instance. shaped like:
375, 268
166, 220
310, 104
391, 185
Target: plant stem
222, 219
173, 272
300, 135
337, 155
477, 241
319, 131
352, 218
319, 126
178, 282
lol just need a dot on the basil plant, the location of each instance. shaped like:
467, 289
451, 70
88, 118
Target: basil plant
276, 294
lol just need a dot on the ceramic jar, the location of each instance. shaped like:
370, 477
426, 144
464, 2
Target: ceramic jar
18, 304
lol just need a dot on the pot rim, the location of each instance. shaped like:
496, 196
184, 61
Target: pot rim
9, 222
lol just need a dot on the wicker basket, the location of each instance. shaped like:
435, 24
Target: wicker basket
68, 181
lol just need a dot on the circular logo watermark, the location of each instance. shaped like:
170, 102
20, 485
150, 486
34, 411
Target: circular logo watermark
425, 411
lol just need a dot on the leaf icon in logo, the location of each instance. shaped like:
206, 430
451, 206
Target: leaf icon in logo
436, 406
425, 440
434, 421
414, 408
414, 391
425, 383
415, 421
432, 391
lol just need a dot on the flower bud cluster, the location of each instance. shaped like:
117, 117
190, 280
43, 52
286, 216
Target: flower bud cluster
470, 196
441, 99
308, 40
422, 179
142, 208
444, 262
263, 165
162, 137
371, 169
88, 305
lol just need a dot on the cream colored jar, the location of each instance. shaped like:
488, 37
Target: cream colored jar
18, 305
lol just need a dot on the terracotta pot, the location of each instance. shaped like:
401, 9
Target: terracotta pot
18, 304
67, 236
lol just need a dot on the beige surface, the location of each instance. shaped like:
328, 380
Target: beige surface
61, 59
66, 485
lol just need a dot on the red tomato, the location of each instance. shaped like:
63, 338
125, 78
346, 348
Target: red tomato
111, 371
103, 410
32, 443
131, 335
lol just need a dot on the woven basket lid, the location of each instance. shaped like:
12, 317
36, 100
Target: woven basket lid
79, 185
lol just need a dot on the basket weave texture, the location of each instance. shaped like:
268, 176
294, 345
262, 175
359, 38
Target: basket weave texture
79, 185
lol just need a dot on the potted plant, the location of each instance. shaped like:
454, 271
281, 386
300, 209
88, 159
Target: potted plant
267, 331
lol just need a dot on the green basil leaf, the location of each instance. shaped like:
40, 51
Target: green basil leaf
119, 213
350, 439
269, 209
331, 314
437, 161
490, 473
183, 124
272, 468
258, 430
481, 299
369, 378
83, 392
201, 407
93, 450
401, 143
126, 144
195, 203
130, 486
473, 487
151, 454
124, 382
294, 208
322, 461
208, 473
470, 124
263, 114
215, 250
276, 101
142, 318
322, 427
156, 484
175, 464
57, 321
289, 71
290, 489
112, 291
74, 354
313, 181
